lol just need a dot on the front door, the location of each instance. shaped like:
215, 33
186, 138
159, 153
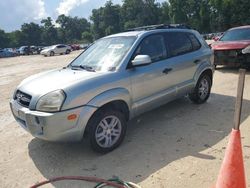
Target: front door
153, 84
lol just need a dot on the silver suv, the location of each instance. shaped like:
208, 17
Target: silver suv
117, 78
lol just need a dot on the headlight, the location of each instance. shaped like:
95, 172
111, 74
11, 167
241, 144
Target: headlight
51, 102
246, 50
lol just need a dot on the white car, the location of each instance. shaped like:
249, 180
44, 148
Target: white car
56, 49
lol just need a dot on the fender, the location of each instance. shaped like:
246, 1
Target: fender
111, 95
203, 67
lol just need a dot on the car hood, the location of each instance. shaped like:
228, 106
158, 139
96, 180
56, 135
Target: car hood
43, 83
228, 45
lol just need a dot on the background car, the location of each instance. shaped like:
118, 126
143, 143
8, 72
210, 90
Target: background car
56, 49
25, 50
228, 49
6, 53
75, 46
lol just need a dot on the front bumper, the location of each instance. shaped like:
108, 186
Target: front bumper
53, 126
45, 53
231, 58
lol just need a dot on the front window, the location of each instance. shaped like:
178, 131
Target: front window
236, 34
154, 47
105, 54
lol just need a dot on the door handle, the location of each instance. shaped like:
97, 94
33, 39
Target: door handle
197, 61
167, 70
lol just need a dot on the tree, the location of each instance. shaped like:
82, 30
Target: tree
4, 40
71, 29
106, 20
165, 13
178, 11
87, 37
31, 34
49, 33
137, 13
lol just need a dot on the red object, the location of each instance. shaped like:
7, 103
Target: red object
230, 45
75, 46
72, 117
232, 173
228, 49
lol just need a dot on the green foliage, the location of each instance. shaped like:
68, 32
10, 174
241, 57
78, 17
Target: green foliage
87, 37
3, 39
202, 15
106, 20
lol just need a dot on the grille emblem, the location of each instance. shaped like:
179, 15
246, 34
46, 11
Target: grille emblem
21, 97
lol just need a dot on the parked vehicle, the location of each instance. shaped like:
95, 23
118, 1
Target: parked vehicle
75, 46
228, 49
36, 49
6, 53
84, 46
117, 78
56, 49
25, 50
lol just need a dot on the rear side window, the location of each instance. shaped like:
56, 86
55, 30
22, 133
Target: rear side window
178, 43
153, 46
195, 42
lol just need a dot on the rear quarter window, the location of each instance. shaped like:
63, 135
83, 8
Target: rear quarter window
195, 42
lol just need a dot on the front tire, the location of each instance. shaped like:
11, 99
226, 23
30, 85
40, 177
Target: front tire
52, 53
107, 129
67, 51
202, 90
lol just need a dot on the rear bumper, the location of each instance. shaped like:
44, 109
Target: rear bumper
53, 126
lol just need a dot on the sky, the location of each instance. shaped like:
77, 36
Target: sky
13, 13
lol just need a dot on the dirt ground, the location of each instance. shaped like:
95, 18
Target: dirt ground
177, 145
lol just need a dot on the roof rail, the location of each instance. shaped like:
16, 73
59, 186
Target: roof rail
160, 26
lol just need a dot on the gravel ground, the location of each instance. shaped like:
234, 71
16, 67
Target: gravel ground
177, 145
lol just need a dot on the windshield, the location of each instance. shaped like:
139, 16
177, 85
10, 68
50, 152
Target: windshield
236, 34
105, 54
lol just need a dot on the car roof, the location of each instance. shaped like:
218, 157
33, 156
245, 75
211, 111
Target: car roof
241, 27
139, 33
152, 29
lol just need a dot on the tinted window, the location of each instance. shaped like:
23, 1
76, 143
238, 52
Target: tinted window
153, 46
178, 43
195, 42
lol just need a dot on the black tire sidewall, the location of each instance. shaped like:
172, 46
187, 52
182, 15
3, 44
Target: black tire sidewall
52, 53
94, 122
195, 95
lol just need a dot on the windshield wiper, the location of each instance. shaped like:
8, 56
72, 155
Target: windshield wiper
85, 67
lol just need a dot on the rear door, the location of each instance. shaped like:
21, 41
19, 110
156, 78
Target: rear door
184, 54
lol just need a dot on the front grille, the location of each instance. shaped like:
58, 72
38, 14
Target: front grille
227, 53
227, 56
22, 98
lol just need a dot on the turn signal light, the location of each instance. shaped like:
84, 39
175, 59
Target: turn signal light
72, 117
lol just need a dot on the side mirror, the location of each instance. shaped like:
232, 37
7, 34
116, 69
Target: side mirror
141, 60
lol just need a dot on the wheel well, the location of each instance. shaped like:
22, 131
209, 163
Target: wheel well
209, 73
118, 105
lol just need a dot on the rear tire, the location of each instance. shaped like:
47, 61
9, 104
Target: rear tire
107, 129
67, 51
202, 90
